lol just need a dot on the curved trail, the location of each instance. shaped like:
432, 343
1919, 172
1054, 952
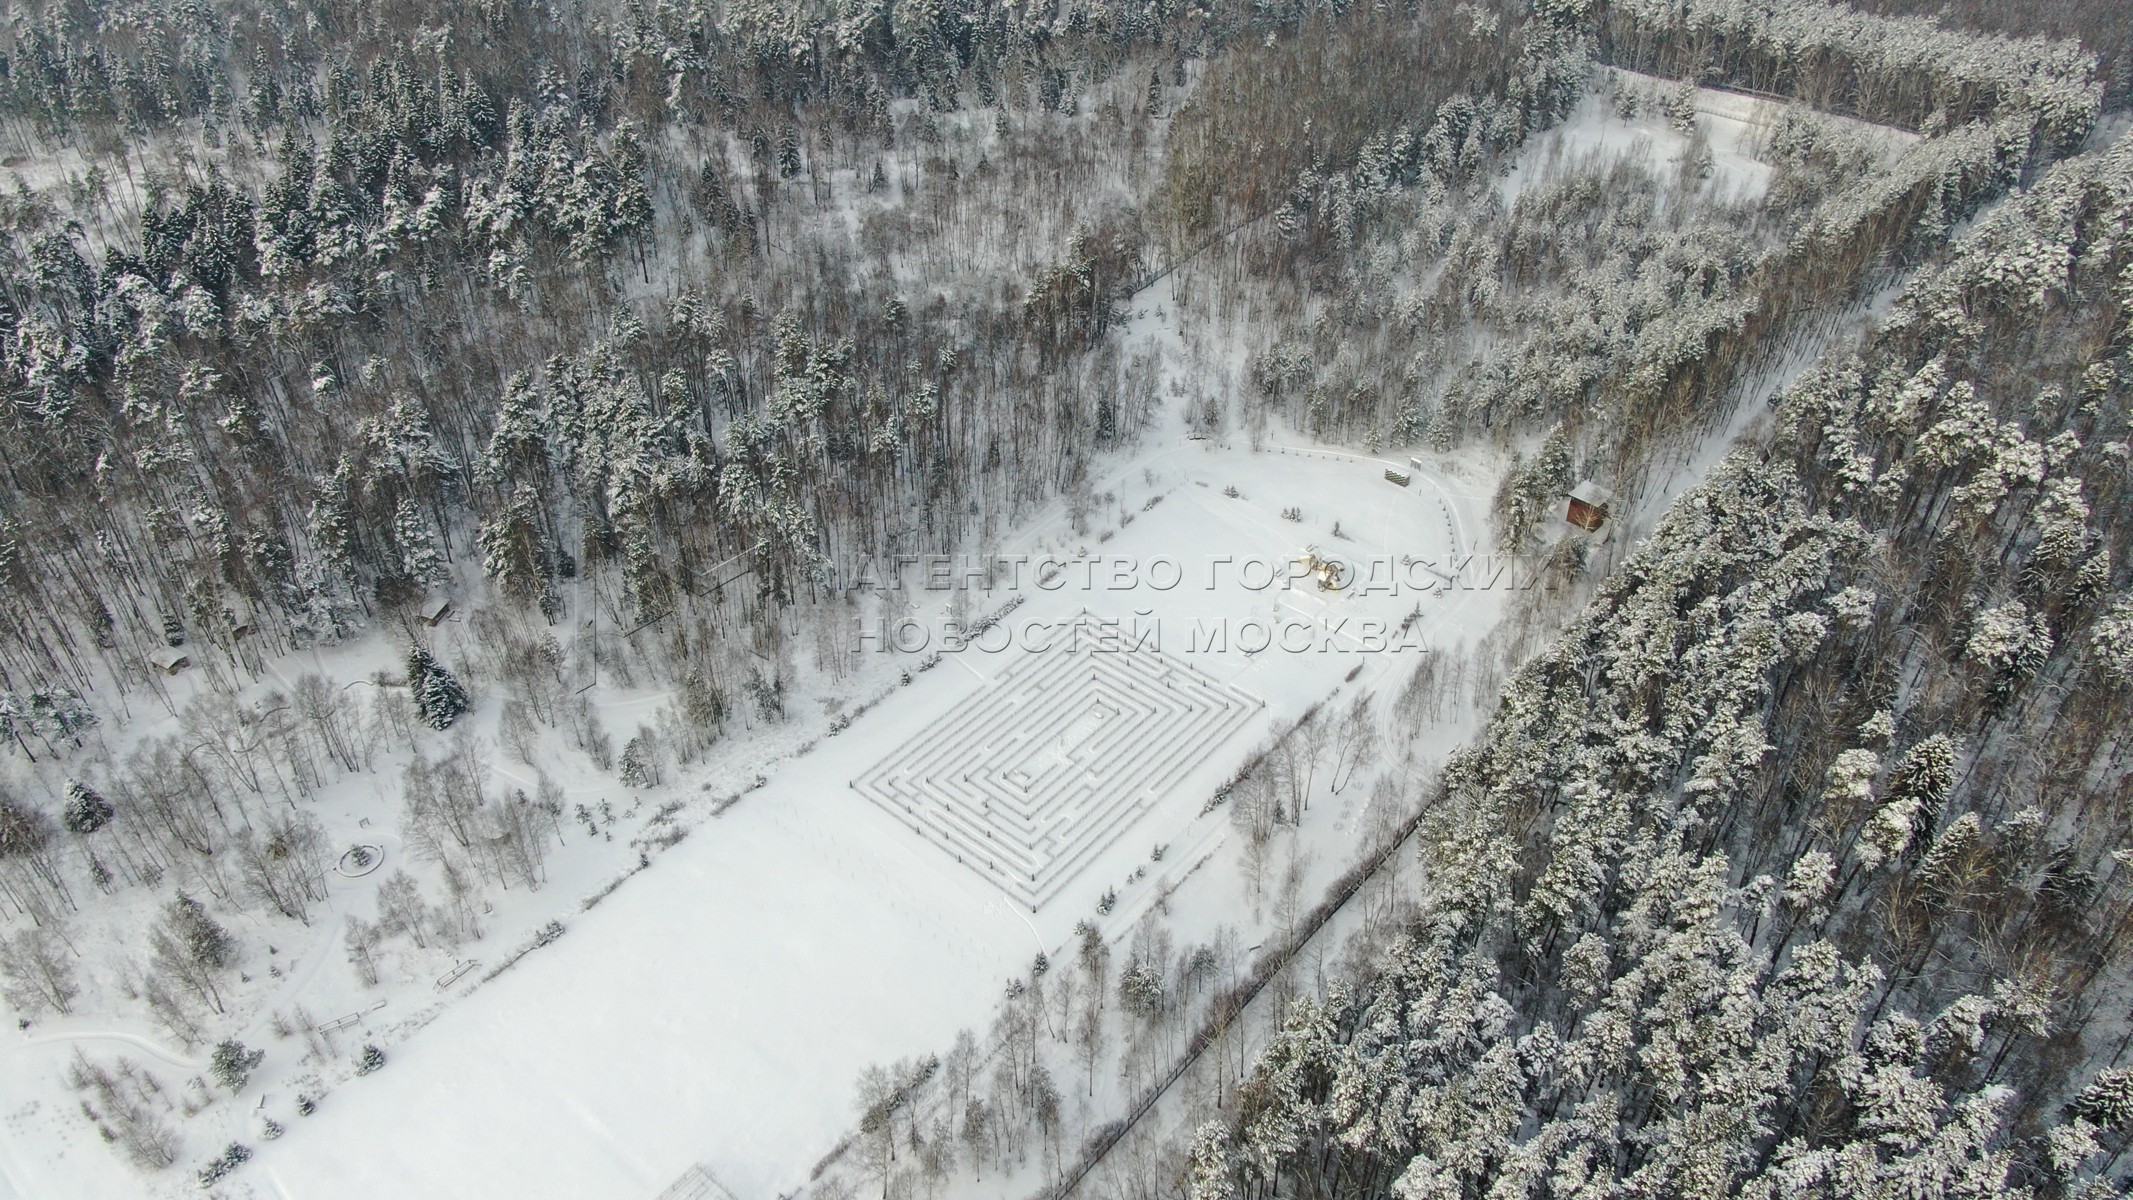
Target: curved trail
154, 1049
12, 1184
302, 966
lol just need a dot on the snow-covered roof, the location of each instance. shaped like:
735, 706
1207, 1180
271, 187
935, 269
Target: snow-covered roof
435, 607
1592, 493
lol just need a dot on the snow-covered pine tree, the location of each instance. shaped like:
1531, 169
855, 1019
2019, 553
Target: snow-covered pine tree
2108, 1100
439, 700
232, 1064
86, 810
640, 760
421, 556
203, 938
512, 552
233, 1156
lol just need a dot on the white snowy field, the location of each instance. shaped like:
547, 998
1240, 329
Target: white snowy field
1735, 129
716, 1008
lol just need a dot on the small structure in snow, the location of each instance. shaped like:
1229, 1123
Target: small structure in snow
169, 659
239, 612
1332, 574
1395, 475
434, 610
1588, 506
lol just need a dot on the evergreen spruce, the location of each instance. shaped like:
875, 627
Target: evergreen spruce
86, 811
639, 767
232, 1064
439, 700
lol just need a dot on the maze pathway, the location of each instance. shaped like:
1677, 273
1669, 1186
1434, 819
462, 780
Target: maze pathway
1030, 778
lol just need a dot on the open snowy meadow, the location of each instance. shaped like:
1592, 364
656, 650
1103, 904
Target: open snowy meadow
862, 902
715, 1009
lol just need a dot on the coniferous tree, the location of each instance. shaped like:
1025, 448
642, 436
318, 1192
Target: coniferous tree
87, 811
437, 696
421, 558
639, 764
232, 1064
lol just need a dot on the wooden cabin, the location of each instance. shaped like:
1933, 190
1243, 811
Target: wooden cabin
434, 610
169, 659
1588, 506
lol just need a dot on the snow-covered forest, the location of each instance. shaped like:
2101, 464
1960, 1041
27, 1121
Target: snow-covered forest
470, 470
1792, 868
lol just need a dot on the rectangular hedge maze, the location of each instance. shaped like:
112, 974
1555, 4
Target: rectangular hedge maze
1030, 778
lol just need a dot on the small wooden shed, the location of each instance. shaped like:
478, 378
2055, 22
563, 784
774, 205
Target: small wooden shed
239, 613
169, 659
434, 610
1588, 506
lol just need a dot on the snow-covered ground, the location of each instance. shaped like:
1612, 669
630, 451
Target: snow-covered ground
1735, 128
715, 1008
